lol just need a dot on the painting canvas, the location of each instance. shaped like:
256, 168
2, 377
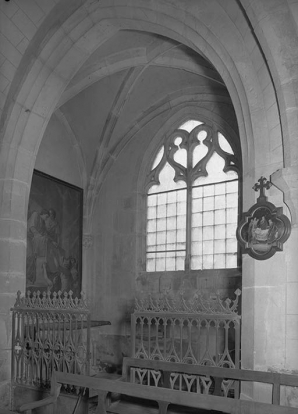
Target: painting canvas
54, 236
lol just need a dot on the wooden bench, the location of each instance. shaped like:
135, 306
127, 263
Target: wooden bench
166, 396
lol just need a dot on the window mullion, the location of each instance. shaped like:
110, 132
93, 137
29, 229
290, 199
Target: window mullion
188, 226
188, 210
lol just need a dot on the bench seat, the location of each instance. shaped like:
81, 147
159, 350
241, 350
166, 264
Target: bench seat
125, 397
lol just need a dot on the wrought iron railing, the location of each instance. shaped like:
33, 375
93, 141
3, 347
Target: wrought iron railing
49, 331
195, 331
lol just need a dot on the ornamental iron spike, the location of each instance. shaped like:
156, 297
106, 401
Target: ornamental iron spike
50, 301
197, 304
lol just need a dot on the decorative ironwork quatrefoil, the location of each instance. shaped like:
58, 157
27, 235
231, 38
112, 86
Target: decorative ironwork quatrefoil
264, 228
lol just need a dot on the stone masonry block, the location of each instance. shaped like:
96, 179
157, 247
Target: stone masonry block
33, 128
7, 301
32, 10
75, 20
9, 8
25, 25
27, 86
40, 77
65, 44
15, 229
10, 30
46, 5
95, 37
13, 256
8, 70
9, 51
68, 65
22, 46
291, 354
81, 28
48, 97
3, 82
292, 327
292, 294
11, 282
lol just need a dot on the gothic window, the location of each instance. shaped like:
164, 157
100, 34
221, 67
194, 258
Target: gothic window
192, 201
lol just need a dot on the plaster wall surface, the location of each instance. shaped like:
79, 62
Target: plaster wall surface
57, 155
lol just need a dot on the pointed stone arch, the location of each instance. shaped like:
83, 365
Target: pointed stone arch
61, 46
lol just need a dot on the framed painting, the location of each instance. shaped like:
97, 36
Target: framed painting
54, 236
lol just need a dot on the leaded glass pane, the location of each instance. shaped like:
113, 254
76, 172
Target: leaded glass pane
232, 200
181, 222
196, 234
217, 230
207, 233
224, 145
171, 237
219, 246
231, 231
171, 223
181, 235
208, 203
170, 261
166, 179
220, 216
151, 226
208, 261
171, 209
180, 156
219, 261
196, 262
200, 150
160, 262
151, 212
231, 261
232, 215
169, 228
197, 219
220, 231
197, 247
232, 187
190, 125
151, 263
161, 238
208, 218
158, 158
231, 245
180, 260
208, 247
152, 200
220, 201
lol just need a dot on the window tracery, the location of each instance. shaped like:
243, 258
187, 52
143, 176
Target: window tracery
192, 201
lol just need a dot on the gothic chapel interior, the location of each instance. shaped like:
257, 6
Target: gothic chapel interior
123, 99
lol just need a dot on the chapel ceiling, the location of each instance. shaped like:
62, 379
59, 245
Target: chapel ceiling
130, 76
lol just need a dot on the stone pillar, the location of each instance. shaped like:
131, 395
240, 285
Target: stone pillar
287, 181
88, 267
13, 196
270, 305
